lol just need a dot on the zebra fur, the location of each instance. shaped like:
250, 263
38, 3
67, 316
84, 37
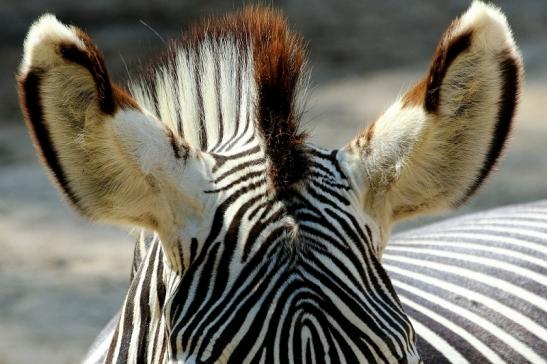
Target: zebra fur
458, 318
475, 286
210, 305
265, 248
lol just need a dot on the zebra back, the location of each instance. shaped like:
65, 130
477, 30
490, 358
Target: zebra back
475, 286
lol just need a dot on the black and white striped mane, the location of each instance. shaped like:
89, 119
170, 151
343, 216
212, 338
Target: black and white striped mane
232, 78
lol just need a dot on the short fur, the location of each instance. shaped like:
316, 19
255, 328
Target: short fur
278, 63
83, 127
29, 88
427, 152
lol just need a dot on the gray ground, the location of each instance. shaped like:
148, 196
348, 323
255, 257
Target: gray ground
61, 278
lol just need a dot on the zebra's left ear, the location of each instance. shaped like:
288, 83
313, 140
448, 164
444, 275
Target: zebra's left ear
112, 159
434, 147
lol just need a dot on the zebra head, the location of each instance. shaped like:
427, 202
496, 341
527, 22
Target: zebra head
263, 246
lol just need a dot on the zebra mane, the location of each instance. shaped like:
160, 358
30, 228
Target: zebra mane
230, 79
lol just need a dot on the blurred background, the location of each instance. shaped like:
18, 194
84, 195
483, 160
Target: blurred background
61, 278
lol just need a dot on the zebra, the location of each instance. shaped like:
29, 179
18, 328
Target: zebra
259, 246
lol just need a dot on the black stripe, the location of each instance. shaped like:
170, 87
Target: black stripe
256, 230
127, 314
246, 128
442, 61
239, 167
242, 304
238, 99
145, 309
178, 111
110, 354
509, 70
221, 159
94, 63
30, 89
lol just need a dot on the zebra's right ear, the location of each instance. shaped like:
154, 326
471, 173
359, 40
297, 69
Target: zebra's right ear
112, 159
434, 147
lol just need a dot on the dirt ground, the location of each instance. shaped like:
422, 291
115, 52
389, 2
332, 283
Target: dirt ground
61, 278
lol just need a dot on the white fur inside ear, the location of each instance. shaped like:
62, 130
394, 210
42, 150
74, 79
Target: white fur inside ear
144, 138
395, 134
40, 47
489, 26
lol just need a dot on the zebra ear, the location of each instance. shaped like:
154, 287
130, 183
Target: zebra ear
434, 147
112, 159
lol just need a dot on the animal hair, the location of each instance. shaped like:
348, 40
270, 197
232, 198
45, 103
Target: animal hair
217, 55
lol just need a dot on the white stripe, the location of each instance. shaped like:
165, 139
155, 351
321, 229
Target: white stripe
167, 104
120, 327
207, 80
378, 317
231, 62
513, 221
486, 325
187, 97
491, 303
439, 343
136, 320
471, 246
489, 238
510, 288
526, 215
349, 341
514, 214
99, 352
512, 268
538, 208
504, 230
